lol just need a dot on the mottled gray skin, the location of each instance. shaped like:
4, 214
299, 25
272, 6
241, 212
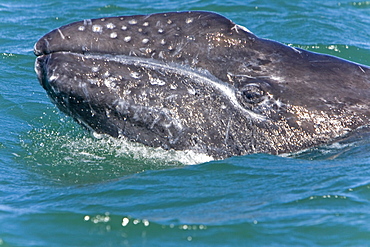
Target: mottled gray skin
197, 81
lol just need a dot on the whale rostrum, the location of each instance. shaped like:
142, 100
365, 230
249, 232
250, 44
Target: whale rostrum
197, 81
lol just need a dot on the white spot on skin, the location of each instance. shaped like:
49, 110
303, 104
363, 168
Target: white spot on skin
191, 37
93, 81
277, 78
242, 28
54, 77
87, 22
113, 35
235, 28
85, 48
145, 41
132, 22
188, 20
135, 75
95, 69
148, 50
97, 28
81, 28
191, 91
156, 81
110, 26
160, 54
295, 49
109, 83
61, 34
127, 39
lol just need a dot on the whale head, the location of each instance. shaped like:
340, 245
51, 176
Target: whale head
197, 81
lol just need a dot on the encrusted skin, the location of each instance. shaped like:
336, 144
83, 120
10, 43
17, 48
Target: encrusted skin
197, 81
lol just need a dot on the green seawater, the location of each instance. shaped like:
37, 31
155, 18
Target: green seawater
61, 186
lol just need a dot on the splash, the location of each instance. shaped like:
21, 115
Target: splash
67, 153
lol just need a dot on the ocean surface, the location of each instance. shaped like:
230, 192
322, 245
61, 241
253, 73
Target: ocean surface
61, 186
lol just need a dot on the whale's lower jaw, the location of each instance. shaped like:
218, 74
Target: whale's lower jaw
147, 101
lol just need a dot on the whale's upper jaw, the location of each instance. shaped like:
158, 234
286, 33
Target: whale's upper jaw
133, 33
196, 80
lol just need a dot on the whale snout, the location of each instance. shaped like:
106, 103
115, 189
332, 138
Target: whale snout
40, 48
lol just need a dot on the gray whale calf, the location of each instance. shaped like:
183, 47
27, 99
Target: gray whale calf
197, 81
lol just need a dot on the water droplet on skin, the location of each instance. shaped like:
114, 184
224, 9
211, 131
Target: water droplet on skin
125, 221
146, 222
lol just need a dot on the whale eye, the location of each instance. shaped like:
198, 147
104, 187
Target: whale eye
253, 93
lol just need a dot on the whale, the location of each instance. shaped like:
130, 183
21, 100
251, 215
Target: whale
197, 81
